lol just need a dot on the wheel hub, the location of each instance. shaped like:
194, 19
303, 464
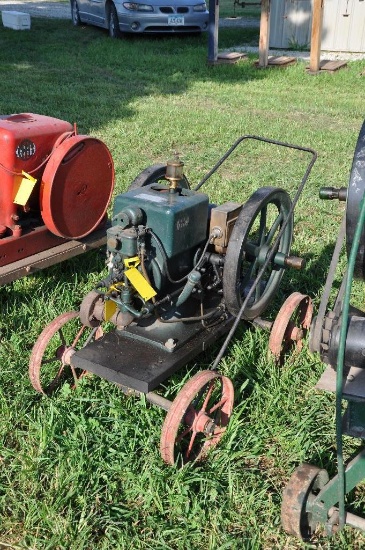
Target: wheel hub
200, 422
64, 354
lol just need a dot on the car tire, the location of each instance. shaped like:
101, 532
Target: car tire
75, 14
113, 25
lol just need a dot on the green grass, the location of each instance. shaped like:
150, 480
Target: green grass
82, 470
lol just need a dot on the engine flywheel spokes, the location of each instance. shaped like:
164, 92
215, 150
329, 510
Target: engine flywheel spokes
253, 238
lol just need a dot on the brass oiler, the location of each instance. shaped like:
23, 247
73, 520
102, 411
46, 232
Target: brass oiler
174, 172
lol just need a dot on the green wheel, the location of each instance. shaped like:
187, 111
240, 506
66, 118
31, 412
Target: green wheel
305, 483
252, 239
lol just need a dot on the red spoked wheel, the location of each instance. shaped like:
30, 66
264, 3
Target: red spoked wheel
51, 355
291, 325
197, 418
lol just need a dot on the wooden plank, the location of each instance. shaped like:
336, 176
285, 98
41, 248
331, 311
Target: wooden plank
332, 66
317, 21
230, 57
52, 256
264, 34
279, 61
329, 66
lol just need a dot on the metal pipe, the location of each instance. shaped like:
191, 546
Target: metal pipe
262, 323
158, 400
355, 521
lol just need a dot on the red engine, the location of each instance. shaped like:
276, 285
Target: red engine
54, 184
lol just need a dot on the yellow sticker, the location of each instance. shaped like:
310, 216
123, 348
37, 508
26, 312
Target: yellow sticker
25, 188
142, 286
110, 308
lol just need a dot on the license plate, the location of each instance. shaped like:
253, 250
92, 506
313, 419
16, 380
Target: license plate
175, 20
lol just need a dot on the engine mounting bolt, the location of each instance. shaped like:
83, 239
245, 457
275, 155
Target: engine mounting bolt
17, 231
217, 233
170, 344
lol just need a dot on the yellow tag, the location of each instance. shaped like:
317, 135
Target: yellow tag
110, 308
132, 262
25, 187
142, 286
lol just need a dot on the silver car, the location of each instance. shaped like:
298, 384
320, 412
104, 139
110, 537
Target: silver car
156, 16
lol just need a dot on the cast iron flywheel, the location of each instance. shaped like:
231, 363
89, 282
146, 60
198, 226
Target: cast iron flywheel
355, 193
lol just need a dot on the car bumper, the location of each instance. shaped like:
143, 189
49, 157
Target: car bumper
158, 23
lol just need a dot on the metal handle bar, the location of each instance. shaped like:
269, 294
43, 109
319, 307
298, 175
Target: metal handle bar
265, 140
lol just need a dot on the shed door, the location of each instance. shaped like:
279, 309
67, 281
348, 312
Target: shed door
344, 25
290, 23
297, 23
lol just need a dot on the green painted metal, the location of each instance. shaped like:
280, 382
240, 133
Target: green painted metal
320, 505
354, 424
340, 362
347, 478
178, 220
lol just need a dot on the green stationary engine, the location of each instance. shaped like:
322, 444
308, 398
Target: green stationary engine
182, 273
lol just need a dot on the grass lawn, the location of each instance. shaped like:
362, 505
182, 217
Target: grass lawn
82, 470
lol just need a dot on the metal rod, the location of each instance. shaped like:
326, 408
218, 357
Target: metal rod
262, 323
355, 521
158, 400
257, 138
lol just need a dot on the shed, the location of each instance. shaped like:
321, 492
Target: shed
343, 26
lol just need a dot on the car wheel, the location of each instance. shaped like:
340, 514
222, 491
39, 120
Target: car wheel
75, 14
114, 31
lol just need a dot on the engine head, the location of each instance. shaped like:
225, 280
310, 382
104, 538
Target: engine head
169, 227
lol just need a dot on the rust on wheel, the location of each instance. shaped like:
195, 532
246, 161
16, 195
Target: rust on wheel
296, 516
91, 309
291, 325
197, 418
53, 350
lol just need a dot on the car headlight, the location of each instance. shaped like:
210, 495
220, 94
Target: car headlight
200, 7
133, 6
